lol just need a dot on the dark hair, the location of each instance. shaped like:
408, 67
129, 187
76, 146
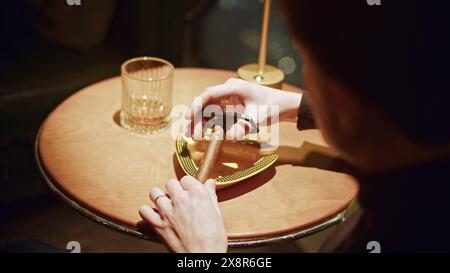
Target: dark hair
390, 55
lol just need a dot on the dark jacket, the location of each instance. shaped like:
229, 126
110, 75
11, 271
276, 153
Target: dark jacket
403, 210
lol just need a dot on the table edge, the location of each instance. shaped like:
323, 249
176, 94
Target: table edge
232, 243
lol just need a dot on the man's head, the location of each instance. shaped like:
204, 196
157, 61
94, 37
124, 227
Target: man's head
373, 67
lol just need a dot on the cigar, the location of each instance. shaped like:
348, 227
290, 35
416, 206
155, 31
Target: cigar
211, 154
234, 150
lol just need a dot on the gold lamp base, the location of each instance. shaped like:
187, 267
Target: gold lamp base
272, 76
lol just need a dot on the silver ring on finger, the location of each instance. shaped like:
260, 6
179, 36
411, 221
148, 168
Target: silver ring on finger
159, 196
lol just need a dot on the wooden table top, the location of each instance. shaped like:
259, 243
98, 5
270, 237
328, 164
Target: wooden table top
108, 171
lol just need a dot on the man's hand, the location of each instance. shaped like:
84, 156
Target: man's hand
187, 218
249, 95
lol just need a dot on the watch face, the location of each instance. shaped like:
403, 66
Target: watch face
231, 168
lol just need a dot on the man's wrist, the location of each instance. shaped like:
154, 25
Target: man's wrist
289, 103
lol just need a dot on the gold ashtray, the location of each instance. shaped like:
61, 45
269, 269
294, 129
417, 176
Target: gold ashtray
237, 161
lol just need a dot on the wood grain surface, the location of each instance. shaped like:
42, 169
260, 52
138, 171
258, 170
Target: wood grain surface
110, 171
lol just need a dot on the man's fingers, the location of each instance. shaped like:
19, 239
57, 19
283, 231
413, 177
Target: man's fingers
197, 129
190, 128
187, 182
230, 87
232, 90
194, 108
173, 187
251, 110
166, 233
243, 127
216, 92
151, 217
161, 200
210, 185
236, 132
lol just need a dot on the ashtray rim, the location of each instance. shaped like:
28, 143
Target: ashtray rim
189, 167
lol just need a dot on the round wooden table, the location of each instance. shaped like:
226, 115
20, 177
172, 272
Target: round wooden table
106, 172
